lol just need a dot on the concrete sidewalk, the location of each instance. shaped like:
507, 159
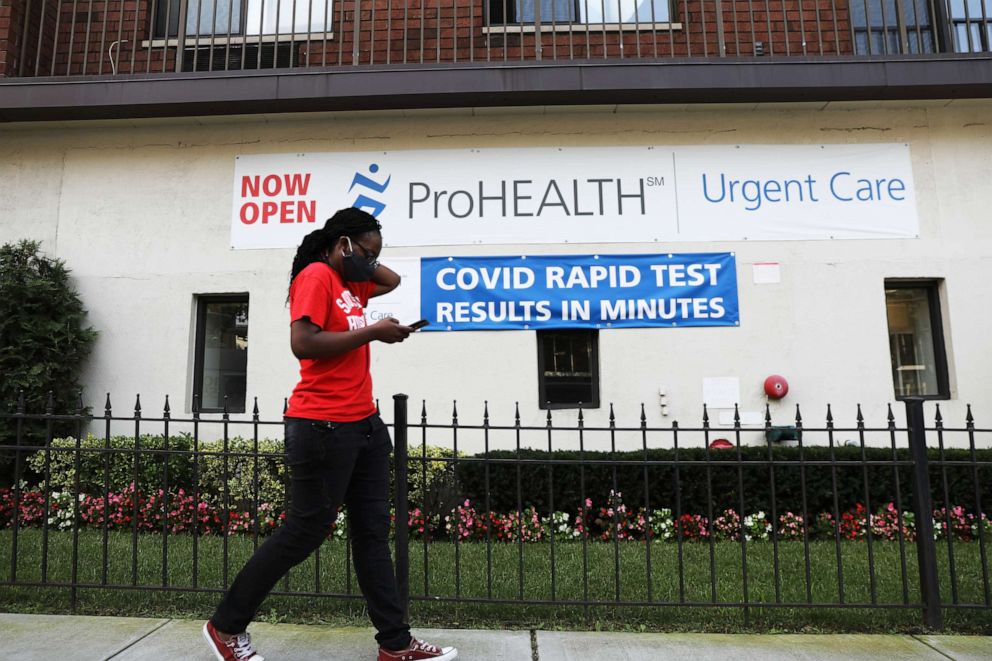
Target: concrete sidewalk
24, 637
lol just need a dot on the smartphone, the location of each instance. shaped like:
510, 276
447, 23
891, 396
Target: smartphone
417, 325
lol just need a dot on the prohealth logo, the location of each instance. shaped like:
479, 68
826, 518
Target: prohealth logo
365, 201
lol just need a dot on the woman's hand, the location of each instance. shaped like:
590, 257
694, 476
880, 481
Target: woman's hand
390, 330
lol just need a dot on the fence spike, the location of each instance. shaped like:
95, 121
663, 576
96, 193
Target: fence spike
196, 406
454, 412
166, 410
106, 407
79, 403
485, 413
549, 416
644, 417
255, 411
137, 405
226, 411
938, 418
516, 414
768, 415
860, 418
581, 416
890, 416
20, 400
706, 417
799, 417
423, 411
830, 417
50, 403
968, 419
613, 419
737, 417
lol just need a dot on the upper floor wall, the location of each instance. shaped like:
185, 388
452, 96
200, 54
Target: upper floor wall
113, 37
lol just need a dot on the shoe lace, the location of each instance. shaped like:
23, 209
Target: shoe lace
241, 644
425, 647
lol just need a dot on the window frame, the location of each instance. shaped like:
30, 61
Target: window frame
202, 301
242, 33
503, 14
932, 287
543, 402
965, 22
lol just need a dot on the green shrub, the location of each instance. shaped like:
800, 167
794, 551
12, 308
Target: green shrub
239, 470
439, 492
43, 343
119, 465
722, 479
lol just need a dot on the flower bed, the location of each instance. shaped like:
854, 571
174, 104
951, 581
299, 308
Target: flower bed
179, 513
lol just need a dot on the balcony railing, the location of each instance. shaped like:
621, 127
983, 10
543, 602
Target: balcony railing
115, 37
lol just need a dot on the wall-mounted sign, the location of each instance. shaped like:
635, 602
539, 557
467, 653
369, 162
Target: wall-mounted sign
582, 194
567, 291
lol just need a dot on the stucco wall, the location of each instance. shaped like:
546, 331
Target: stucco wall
140, 212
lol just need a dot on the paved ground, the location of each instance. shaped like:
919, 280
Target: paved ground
44, 637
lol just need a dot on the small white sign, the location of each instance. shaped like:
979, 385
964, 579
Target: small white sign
403, 303
721, 392
767, 273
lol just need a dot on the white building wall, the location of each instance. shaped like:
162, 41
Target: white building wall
140, 212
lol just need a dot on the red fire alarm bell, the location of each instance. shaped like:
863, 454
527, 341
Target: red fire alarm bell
776, 387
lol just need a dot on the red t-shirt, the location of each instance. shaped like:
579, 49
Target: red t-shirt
338, 388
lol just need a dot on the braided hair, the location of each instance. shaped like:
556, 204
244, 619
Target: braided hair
348, 222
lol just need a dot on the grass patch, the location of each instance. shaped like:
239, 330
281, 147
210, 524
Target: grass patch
516, 576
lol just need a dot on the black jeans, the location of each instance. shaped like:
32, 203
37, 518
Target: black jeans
329, 464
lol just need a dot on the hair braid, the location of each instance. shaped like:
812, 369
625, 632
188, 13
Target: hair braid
348, 222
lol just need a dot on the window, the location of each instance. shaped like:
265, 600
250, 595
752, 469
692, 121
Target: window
563, 12
883, 27
916, 339
972, 20
221, 362
241, 17
568, 368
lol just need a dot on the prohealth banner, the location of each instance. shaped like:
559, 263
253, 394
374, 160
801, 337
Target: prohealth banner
583, 194
569, 291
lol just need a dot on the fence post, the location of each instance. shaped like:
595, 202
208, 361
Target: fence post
926, 548
401, 505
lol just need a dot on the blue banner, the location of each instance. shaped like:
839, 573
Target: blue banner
579, 291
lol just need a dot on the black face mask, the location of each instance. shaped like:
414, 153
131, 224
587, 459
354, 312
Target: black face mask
355, 268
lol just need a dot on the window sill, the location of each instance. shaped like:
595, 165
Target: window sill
582, 28
557, 406
238, 39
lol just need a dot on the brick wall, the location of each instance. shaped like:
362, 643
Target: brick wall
453, 32
11, 24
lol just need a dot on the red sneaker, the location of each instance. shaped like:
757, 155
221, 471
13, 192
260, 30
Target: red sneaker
419, 650
238, 648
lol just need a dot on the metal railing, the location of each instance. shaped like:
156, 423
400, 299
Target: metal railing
111, 37
574, 515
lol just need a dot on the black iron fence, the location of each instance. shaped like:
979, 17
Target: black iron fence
859, 516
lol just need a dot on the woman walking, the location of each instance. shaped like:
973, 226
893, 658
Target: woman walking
337, 446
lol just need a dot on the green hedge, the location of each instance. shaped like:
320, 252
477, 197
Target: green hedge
571, 482
211, 472
445, 486
115, 470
